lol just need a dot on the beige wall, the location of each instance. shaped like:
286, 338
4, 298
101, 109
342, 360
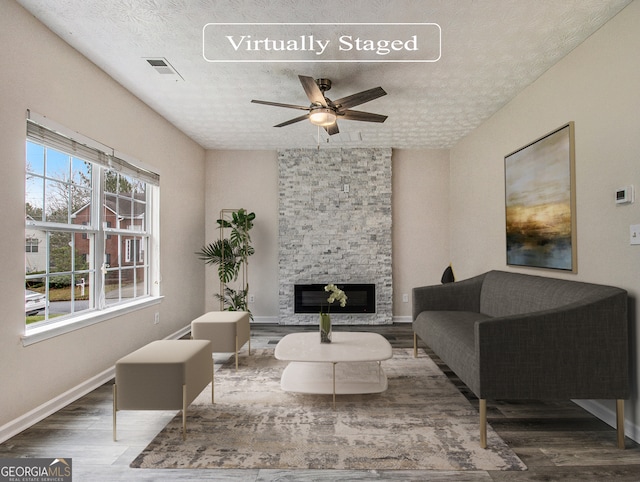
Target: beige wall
596, 86
249, 179
420, 206
42, 73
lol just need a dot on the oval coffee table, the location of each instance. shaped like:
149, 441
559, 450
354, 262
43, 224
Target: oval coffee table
313, 364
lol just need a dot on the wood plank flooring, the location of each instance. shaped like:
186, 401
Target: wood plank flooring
556, 440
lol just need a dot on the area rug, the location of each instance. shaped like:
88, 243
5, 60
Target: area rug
421, 422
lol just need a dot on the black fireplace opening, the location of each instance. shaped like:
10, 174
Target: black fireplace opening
312, 298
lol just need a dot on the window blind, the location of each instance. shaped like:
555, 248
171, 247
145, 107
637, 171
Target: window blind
88, 150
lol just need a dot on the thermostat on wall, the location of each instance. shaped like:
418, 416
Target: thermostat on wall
624, 195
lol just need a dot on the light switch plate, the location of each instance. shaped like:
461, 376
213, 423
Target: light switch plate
634, 234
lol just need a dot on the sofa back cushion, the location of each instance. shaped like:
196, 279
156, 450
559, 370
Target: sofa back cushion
506, 294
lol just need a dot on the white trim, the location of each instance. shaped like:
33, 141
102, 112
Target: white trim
50, 407
34, 416
608, 416
402, 319
51, 330
267, 320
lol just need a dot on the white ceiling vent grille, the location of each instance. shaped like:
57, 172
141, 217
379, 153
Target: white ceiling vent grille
163, 67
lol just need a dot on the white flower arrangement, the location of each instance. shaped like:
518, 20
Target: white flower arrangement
336, 295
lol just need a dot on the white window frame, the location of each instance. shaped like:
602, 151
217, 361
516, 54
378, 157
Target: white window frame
107, 159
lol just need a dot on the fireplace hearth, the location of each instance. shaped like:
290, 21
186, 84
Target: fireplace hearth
312, 298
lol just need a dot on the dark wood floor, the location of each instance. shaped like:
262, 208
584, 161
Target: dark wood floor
556, 440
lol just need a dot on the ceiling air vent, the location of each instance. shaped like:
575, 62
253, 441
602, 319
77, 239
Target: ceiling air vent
162, 66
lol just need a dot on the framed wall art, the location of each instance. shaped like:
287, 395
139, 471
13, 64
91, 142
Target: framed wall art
540, 202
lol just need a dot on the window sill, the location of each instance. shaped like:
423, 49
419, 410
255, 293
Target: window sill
51, 330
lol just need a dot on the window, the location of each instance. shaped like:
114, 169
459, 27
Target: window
31, 245
89, 227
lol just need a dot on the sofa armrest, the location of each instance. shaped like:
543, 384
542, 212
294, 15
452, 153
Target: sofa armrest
459, 296
579, 351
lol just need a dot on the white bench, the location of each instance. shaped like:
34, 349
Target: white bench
163, 375
228, 331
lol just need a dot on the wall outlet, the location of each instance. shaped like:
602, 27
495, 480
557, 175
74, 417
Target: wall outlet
252, 299
156, 318
634, 234
405, 298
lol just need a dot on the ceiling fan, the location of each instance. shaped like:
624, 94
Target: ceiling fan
324, 112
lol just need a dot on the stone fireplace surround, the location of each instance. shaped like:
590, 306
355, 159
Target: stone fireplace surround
335, 227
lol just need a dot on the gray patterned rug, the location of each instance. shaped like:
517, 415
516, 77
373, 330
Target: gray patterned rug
422, 422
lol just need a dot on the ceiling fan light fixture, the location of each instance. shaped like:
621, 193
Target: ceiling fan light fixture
322, 117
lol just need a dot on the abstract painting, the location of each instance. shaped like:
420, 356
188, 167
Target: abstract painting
540, 202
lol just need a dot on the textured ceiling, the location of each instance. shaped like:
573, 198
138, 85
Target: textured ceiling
491, 50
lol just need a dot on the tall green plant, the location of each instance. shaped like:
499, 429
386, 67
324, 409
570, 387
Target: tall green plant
231, 256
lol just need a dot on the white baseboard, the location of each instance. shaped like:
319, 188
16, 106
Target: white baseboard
608, 416
34, 416
267, 320
50, 407
402, 319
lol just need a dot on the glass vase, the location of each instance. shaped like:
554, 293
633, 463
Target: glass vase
325, 328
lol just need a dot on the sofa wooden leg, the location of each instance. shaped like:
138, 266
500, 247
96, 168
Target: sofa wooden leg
415, 345
483, 423
620, 422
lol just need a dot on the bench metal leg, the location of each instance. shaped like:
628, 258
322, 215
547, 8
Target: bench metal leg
483, 423
213, 383
236, 352
184, 412
415, 345
620, 422
115, 409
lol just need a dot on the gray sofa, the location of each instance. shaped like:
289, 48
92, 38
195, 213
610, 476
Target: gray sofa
515, 336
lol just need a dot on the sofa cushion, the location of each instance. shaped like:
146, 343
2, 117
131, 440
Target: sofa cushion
506, 294
450, 334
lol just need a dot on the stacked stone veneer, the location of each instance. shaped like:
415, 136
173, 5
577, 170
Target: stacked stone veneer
327, 235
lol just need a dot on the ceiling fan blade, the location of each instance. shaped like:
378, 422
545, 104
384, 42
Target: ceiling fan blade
278, 104
332, 129
357, 115
312, 90
359, 98
293, 121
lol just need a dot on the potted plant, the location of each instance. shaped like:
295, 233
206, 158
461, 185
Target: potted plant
325, 318
231, 255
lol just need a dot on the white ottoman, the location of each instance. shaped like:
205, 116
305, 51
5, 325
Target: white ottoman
163, 375
228, 331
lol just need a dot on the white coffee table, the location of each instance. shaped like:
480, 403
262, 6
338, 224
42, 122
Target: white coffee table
313, 364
